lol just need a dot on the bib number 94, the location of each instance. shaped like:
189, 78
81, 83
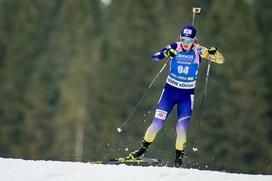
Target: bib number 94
183, 69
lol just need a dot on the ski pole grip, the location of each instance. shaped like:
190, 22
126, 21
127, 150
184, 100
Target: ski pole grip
196, 10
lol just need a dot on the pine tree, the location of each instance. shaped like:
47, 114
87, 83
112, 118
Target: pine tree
262, 12
24, 37
76, 46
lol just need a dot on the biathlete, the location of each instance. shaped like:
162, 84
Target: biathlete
185, 57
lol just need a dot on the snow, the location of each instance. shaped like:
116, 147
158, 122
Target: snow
27, 170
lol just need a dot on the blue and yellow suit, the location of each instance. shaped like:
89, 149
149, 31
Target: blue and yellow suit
179, 89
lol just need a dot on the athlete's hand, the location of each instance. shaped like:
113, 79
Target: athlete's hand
212, 50
170, 53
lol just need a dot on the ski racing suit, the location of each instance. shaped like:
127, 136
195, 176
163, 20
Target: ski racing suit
178, 90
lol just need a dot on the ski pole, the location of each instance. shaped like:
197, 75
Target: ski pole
120, 129
202, 105
195, 11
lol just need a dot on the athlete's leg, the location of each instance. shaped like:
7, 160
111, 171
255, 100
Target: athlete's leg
164, 107
185, 107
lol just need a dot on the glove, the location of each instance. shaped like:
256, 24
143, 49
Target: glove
212, 50
170, 53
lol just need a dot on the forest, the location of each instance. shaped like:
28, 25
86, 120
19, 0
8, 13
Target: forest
72, 71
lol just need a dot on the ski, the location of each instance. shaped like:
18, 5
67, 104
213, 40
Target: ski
132, 162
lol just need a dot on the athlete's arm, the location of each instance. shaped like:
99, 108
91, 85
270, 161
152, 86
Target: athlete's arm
211, 54
161, 54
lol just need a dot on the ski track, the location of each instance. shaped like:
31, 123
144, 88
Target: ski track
27, 170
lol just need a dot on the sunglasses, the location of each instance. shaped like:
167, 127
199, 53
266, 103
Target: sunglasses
183, 40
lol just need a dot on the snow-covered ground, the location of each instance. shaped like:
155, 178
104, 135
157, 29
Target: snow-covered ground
23, 170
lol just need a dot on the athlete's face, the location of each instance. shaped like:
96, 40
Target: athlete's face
186, 42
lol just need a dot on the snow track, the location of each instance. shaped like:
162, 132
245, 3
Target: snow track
24, 170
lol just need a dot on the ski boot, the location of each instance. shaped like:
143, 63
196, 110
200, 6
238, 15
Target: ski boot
179, 156
139, 153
